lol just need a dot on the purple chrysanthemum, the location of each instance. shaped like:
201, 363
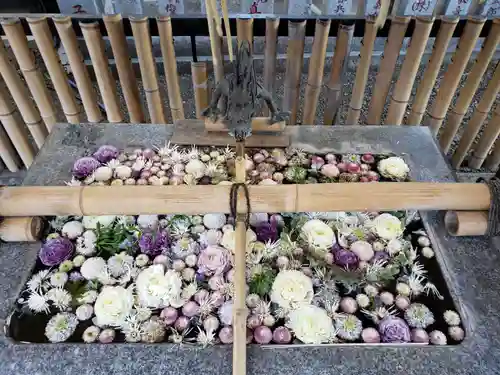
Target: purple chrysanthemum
55, 251
394, 330
106, 153
76, 276
267, 231
345, 258
153, 243
85, 166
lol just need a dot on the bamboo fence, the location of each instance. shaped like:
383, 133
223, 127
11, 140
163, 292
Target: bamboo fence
270, 56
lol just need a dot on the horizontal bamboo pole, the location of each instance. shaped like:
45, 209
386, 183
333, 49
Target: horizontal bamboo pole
126, 74
8, 153
105, 81
259, 124
21, 97
466, 223
87, 93
199, 75
21, 229
456, 115
490, 133
43, 38
197, 199
270, 56
34, 79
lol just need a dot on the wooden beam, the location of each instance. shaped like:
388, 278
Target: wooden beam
259, 124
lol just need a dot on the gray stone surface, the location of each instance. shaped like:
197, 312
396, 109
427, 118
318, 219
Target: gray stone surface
468, 264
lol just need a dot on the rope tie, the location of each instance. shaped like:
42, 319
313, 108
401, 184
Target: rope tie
494, 212
233, 201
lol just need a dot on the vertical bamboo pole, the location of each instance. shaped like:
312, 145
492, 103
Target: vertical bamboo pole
454, 72
67, 34
229, 39
402, 89
316, 68
431, 72
456, 115
244, 31
170, 66
339, 67
477, 119
270, 56
386, 69
200, 86
493, 161
105, 81
294, 62
140, 30
8, 153
126, 74
215, 45
34, 79
488, 138
15, 129
43, 37
365, 58
21, 97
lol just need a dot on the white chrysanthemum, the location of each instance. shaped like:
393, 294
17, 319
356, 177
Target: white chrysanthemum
90, 222
226, 313
311, 324
210, 237
84, 312
393, 167
291, 289
93, 268
113, 304
148, 221
38, 303
39, 281
317, 234
85, 244
61, 299
120, 263
189, 290
72, 229
155, 288
229, 239
60, 327
214, 221
451, 318
58, 279
387, 226
89, 296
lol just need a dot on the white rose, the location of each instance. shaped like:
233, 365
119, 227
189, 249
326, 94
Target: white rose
387, 226
155, 288
317, 234
393, 167
229, 239
113, 304
311, 325
93, 268
90, 222
292, 288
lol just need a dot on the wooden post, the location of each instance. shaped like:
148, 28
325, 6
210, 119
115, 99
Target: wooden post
270, 56
337, 74
454, 72
466, 223
294, 62
386, 69
21, 97
105, 81
456, 115
488, 138
126, 74
316, 68
170, 66
365, 58
402, 89
21, 229
215, 45
200, 86
34, 79
87, 93
244, 31
476, 121
431, 71
142, 38
43, 37
8, 153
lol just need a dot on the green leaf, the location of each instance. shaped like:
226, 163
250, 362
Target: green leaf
262, 283
76, 289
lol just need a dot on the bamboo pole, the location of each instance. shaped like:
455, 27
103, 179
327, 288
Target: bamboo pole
316, 68
270, 56
493, 160
34, 79
337, 74
8, 153
244, 31
43, 38
431, 72
126, 74
140, 30
466, 223
15, 129
199, 75
386, 69
21, 97
402, 89
67, 34
488, 138
453, 73
170, 66
365, 57
105, 81
456, 115
21, 229
478, 117
294, 62
215, 45
197, 199
229, 38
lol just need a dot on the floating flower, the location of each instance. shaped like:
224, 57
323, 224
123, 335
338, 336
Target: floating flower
184, 247
214, 221
345, 258
106, 153
420, 336
85, 166
214, 260
370, 335
437, 338
267, 231
317, 234
152, 331
295, 174
311, 325
291, 289
229, 241
419, 316
85, 244
93, 268
61, 299
39, 281
394, 330
112, 306
149, 222
387, 226
84, 312
60, 327
91, 334
456, 333
55, 251
330, 170
72, 229
257, 218
89, 296
363, 250
38, 303
394, 168
196, 168
155, 288
107, 336
226, 313
348, 326
91, 222
451, 318
154, 243
210, 237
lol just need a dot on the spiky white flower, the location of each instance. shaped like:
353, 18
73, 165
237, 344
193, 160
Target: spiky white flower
85, 244
38, 303
207, 304
228, 153
431, 289
113, 163
189, 290
180, 227
271, 249
61, 299
363, 300
152, 331
59, 279
166, 150
60, 327
73, 182
415, 282
418, 269
262, 309
379, 313
419, 316
348, 327
39, 281
311, 324
177, 157
211, 169
132, 328
205, 338
280, 312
